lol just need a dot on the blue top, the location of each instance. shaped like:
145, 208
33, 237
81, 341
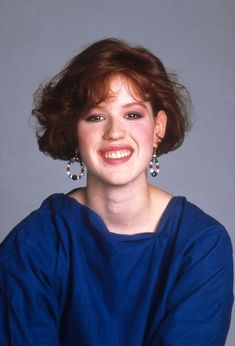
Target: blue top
65, 279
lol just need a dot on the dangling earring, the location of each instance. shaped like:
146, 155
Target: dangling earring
154, 166
76, 158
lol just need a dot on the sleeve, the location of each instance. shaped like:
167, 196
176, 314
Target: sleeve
200, 303
29, 313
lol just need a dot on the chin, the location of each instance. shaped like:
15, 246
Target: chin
117, 177
119, 180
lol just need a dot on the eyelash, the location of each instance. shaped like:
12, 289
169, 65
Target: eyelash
129, 116
133, 116
95, 117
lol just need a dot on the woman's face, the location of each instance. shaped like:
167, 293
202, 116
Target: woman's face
116, 138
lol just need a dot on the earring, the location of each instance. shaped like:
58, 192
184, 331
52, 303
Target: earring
77, 159
154, 166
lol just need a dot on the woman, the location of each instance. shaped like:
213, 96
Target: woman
118, 262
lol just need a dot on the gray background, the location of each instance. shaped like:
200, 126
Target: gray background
194, 38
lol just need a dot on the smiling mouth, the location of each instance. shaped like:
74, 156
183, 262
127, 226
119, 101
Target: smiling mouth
117, 154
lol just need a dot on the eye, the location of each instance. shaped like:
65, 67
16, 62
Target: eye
95, 117
134, 115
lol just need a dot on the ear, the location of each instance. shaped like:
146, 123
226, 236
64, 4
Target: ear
160, 121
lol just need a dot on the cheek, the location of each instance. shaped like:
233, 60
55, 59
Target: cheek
82, 137
82, 133
146, 134
86, 140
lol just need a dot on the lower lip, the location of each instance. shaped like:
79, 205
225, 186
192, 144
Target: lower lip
116, 161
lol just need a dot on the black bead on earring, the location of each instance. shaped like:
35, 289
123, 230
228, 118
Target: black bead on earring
154, 166
75, 159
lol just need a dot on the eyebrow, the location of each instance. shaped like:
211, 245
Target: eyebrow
142, 104
127, 105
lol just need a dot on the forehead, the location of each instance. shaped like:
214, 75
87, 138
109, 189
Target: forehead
120, 86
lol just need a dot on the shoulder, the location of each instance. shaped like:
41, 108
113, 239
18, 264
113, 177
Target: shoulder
37, 222
199, 234
187, 222
201, 274
197, 220
39, 234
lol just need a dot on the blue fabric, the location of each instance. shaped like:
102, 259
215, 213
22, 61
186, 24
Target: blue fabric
66, 280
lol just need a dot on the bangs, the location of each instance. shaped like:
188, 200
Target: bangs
98, 90
85, 82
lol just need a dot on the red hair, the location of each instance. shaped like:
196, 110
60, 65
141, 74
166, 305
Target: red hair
84, 82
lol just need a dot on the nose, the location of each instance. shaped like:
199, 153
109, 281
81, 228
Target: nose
114, 130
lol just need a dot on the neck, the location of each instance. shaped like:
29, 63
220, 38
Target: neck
123, 208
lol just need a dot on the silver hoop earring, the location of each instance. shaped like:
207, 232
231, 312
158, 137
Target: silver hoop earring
154, 165
82, 168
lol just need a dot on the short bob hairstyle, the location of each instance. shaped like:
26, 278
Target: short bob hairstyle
84, 83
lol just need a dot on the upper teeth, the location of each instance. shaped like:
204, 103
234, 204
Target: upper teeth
117, 154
